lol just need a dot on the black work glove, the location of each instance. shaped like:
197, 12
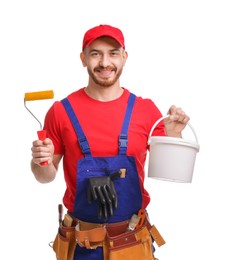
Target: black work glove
102, 190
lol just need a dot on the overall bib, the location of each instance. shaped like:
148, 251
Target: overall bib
128, 188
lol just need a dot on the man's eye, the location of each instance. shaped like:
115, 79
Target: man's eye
94, 54
114, 53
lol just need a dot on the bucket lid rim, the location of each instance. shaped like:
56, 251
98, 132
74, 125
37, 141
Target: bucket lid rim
173, 140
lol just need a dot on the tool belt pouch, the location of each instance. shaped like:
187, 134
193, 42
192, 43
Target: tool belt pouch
64, 243
136, 244
89, 235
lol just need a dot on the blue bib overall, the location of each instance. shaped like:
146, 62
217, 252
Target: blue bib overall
128, 189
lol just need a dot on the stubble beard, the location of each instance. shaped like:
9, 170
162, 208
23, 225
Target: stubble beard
105, 82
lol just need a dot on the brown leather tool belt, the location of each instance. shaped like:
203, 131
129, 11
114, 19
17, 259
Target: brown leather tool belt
118, 240
92, 235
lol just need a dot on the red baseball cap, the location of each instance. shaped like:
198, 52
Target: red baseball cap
103, 30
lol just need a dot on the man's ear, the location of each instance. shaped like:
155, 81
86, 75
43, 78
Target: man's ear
83, 60
125, 56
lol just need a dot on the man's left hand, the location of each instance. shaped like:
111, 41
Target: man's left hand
176, 121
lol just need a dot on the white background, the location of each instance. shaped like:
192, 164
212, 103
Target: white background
176, 56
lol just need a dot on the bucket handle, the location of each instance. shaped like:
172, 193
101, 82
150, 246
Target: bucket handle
163, 117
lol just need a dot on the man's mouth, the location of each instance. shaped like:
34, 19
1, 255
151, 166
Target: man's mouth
104, 73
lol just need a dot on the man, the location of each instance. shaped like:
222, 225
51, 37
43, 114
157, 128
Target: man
101, 132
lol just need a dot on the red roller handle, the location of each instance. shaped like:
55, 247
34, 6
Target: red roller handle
42, 134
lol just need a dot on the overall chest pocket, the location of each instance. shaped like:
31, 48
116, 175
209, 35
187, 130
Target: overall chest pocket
127, 187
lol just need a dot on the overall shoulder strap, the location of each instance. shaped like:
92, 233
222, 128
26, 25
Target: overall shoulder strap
83, 142
123, 138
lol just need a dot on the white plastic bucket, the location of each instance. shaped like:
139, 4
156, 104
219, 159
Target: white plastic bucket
172, 158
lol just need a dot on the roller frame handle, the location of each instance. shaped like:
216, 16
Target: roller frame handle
42, 134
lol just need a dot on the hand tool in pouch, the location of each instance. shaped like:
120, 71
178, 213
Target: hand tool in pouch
60, 212
141, 215
135, 219
31, 96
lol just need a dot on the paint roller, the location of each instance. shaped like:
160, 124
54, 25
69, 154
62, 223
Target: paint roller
40, 95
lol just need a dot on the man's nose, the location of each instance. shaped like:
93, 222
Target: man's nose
105, 61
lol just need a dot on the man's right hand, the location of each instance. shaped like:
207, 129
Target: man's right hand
42, 151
